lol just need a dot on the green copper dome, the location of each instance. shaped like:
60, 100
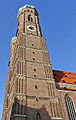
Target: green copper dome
14, 38
25, 6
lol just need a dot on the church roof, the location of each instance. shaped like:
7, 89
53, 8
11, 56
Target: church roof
64, 77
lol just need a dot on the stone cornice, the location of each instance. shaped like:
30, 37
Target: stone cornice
65, 86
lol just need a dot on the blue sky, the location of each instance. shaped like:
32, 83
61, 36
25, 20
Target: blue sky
58, 24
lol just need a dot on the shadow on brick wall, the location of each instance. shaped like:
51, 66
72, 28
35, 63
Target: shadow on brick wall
28, 113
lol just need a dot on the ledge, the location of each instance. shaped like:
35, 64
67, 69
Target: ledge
19, 115
56, 118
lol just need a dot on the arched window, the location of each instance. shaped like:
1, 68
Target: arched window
70, 107
30, 18
38, 117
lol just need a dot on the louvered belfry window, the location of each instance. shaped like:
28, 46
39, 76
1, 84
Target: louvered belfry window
70, 107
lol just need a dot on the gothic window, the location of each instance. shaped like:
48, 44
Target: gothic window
70, 107
38, 117
30, 18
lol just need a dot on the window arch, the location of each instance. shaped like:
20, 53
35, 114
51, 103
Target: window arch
70, 107
38, 117
30, 18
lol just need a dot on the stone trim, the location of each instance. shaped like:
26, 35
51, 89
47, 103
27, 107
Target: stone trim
19, 115
15, 61
55, 118
33, 48
34, 61
69, 91
50, 80
53, 99
65, 85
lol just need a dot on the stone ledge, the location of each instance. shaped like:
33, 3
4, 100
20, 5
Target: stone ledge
19, 115
56, 118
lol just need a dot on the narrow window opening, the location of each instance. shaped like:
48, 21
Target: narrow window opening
31, 11
32, 44
21, 13
33, 58
27, 10
34, 75
18, 24
37, 99
33, 52
36, 87
31, 19
34, 69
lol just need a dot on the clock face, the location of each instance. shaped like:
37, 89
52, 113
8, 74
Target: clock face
31, 28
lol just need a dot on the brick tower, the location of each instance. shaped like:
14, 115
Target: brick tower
30, 87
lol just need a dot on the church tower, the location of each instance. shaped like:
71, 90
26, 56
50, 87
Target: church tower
30, 87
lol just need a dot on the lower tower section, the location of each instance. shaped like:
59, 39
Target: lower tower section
32, 93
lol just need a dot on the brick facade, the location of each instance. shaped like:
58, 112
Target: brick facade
31, 92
